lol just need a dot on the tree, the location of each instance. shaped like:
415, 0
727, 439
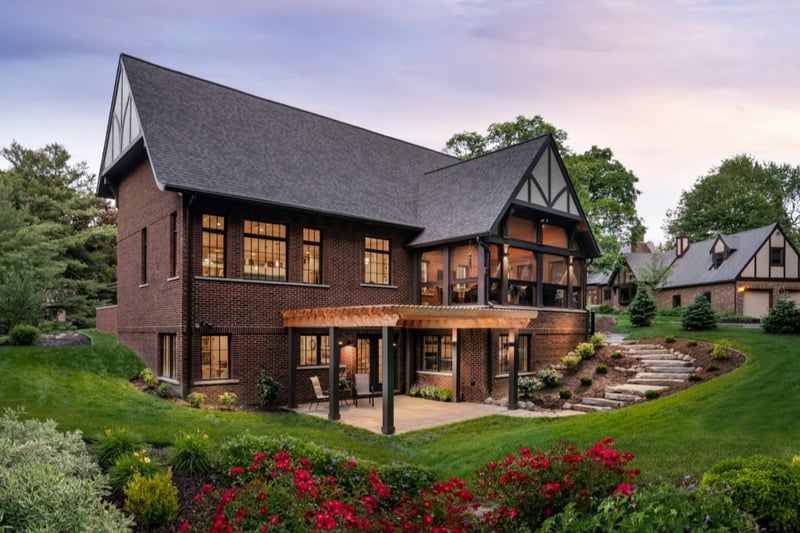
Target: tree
52, 224
21, 298
699, 315
784, 317
642, 309
606, 189
738, 195
655, 274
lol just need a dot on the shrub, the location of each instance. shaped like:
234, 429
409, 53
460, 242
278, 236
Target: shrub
699, 315
24, 335
148, 378
711, 368
139, 462
642, 309
432, 393
617, 355
50, 482
767, 488
652, 394
695, 378
528, 385
191, 453
227, 400
691, 344
540, 483
661, 507
586, 381
165, 390
670, 311
605, 309
153, 501
585, 350
602, 368
784, 317
196, 399
669, 339
267, 391
550, 377
565, 394
597, 340
115, 443
719, 350
571, 362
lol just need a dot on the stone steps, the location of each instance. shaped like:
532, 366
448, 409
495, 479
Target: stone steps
603, 402
635, 389
654, 381
586, 408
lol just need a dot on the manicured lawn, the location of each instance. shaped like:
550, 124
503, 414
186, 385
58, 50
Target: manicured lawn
752, 410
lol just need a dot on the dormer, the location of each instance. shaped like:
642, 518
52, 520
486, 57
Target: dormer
721, 250
681, 245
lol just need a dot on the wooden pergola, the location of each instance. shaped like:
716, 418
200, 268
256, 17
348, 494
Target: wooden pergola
389, 317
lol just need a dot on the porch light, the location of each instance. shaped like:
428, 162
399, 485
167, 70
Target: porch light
741, 289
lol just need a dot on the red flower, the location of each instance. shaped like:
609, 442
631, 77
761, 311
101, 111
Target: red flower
185, 527
236, 471
625, 489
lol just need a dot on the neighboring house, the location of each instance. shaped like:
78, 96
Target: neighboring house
253, 235
742, 273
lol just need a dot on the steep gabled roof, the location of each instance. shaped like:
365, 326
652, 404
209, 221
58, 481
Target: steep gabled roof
641, 261
206, 138
695, 266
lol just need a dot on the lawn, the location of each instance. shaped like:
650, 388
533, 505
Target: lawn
749, 411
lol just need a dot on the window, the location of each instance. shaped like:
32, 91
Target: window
719, 257
215, 357
464, 266
144, 257
314, 350
431, 271
626, 294
522, 276
555, 272
707, 296
377, 257
776, 256
676, 300
173, 245
555, 236
521, 229
437, 352
312, 256
264, 251
214, 246
523, 354
168, 351
606, 294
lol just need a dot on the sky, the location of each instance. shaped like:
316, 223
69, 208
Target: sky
673, 87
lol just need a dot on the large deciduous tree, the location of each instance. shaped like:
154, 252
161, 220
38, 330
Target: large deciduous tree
738, 195
54, 228
606, 189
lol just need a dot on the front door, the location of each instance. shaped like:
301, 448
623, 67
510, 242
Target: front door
368, 358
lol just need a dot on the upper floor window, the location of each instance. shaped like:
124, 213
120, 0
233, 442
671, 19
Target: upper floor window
437, 353
464, 282
312, 255
168, 354
314, 350
555, 236
431, 272
144, 257
719, 257
215, 362
377, 258
776, 256
213, 246
523, 354
264, 251
521, 229
173, 245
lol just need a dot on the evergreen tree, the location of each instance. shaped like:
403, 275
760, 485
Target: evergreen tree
784, 317
699, 315
642, 309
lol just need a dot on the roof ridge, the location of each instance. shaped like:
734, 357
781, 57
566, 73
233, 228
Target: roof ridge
287, 106
493, 152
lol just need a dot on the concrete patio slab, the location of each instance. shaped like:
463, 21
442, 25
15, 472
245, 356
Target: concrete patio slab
414, 414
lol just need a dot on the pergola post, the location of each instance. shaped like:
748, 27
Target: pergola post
291, 390
513, 369
333, 376
388, 381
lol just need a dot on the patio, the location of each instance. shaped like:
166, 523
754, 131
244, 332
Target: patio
413, 414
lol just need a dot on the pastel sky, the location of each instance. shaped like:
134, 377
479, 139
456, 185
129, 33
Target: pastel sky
673, 87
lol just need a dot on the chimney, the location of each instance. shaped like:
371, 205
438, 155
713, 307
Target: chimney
681, 245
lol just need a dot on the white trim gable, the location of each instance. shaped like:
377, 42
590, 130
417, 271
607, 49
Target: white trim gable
760, 266
547, 186
124, 126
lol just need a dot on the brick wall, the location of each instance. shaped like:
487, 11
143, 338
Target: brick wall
106, 319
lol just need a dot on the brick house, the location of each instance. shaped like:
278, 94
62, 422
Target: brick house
742, 273
256, 236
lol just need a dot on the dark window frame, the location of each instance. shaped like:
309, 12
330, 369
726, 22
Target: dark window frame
219, 237
371, 252
676, 300
312, 248
168, 355
214, 373
143, 273
264, 244
523, 341
433, 360
780, 260
173, 244
718, 259
627, 293
321, 350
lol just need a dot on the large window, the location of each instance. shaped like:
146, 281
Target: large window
522, 275
523, 354
431, 272
215, 357
214, 246
377, 258
264, 251
464, 267
315, 350
167, 355
555, 280
437, 353
312, 256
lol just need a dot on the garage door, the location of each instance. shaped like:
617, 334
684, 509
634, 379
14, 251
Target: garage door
756, 303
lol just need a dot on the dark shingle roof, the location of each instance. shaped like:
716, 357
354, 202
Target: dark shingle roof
465, 199
204, 137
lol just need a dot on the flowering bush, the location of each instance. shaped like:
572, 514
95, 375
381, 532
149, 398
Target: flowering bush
586, 349
533, 486
191, 453
113, 444
196, 399
571, 362
152, 500
549, 376
527, 385
148, 378
139, 462
227, 400
597, 340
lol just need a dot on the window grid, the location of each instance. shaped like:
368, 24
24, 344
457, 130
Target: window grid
173, 245
214, 246
776, 256
144, 257
215, 357
168, 354
523, 355
264, 251
437, 353
377, 257
314, 350
312, 255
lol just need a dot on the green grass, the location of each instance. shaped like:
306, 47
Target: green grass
749, 411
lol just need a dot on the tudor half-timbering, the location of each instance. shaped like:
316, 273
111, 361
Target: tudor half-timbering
253, 235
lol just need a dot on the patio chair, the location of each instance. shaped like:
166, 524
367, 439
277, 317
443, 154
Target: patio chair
321, 395
363, 388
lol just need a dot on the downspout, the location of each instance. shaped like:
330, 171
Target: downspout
187, 351
486, 284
